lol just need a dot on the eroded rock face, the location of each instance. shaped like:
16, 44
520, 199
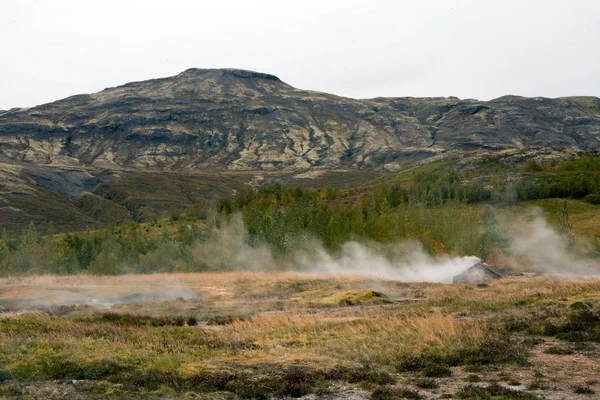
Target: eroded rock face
242, 120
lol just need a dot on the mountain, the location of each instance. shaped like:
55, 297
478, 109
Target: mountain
246, 125
242, 120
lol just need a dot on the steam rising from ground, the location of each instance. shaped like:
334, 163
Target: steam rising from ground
534, 244
406, 260
166, 293
49, 291
414, 265
537, 243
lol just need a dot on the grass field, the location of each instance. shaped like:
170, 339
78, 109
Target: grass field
258, 335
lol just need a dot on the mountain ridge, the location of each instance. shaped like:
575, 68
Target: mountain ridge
245, 120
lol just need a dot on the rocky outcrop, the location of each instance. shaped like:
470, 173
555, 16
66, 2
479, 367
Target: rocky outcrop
242, 120
482, 272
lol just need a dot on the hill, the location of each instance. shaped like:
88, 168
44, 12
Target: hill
241, 120
208, 132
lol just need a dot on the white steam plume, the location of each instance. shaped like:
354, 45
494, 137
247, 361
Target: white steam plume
228, 249
538, 243
414, 266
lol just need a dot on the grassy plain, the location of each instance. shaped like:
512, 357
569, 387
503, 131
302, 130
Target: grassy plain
259, 335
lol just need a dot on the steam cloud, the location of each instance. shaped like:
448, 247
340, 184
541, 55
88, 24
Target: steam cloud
228, 249
537, 243
413, 266
534, 245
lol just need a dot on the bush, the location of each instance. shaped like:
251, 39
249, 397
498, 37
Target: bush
493, 349
558, 350
363, 374
582, 325
222, 320
298, 381
578, 323
393, 394
126, 320
580, 389
436, 371
492, 392
4, 376
592, 198
532, 166
154, 379
427, 383
537, 385
473, 378
295, 381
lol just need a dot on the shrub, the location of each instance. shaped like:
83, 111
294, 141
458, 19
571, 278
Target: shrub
493, 349
222, 320
532, 166
579, 323
473, 378
427, 383
4, 376
362, 374
393, 394
537, 385
295, 381
436, 370
580, 389
298, 381
558, 350
126, 319
592, 198
154, 379
492, 392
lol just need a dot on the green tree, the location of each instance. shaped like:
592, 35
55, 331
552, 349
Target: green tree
564, 226
491, 237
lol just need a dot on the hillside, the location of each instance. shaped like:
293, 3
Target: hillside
244, 120
209, 132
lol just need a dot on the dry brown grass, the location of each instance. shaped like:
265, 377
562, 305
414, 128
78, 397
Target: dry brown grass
286, 322
290, 289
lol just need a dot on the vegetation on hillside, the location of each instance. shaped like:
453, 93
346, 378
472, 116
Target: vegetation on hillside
444, 211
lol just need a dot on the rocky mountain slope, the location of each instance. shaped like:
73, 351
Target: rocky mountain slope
241, 120
206, 132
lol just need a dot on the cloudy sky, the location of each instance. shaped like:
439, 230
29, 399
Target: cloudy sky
466, 48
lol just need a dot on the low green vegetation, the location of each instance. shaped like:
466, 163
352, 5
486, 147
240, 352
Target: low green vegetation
445, 213
577, 322
270, 219
102, 210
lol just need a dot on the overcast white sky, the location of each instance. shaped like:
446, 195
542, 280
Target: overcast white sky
482, 49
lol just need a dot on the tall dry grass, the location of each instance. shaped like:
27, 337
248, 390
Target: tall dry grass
449, 325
